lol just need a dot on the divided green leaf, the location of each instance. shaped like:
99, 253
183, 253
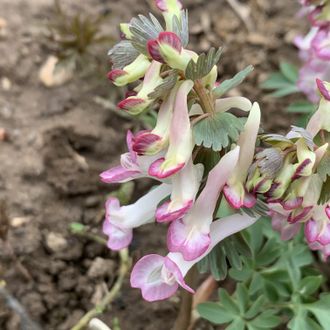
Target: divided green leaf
218, 131
204, 64
302, 107
240, 311
166, 86
229, 84
283, 82
290, 71
231, 249
122, 54
143, 29
180, 27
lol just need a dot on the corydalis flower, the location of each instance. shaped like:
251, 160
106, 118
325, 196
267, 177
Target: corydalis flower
191, 235
136, 104
131, 72
185, 185
152, 142
131, 165
170, 9
321, 43
180, 139
159, 277
280, 221
235, 191
167, 49
321, 118
120, 220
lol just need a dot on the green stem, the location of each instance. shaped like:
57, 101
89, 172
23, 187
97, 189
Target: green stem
125, 264
205, 100
92, 237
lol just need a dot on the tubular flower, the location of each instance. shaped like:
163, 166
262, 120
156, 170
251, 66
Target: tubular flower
315, 50
131, 72
191, 235
125, 31
152, 142
180, 139
167, 48
159, 277
238, 102
170, 9
317, 226
120, 220
235, 191
306, 160
136, 104
280, 222
131, 165
321, 43
321, 118
185, 185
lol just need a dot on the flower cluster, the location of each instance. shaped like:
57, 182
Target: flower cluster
291, 173
315, 47
202, 156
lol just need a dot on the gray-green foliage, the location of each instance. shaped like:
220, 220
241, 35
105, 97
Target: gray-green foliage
229, 84
275, 285
203, 65
218, 131
283, 82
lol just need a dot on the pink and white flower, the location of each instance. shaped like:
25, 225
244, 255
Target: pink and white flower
170, 9
132, 166
185, 186
321, 118
159, 277
180, 138
167, 48
280, 222
154, 141
131, 72
235, 191
191, 235
321, 43
136, 104
120, 220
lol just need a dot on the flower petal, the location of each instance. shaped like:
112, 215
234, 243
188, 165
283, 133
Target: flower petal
172, 267
187, 240
147, 276
118, 238
119, 174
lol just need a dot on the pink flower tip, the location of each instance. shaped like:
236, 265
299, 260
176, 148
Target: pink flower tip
168, 38
158, 277
144, 141
163, 214
292, 204
190, 242
162, 5
157, 170
114, 74
237, 201
129, 103
323, 89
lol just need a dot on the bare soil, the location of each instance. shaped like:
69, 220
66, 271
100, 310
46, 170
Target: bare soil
58, 140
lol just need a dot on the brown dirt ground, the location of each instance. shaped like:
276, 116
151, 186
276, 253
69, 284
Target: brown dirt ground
60, 139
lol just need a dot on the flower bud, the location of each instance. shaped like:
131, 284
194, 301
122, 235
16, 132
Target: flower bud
131, 72
136, 104
167, 48
125, 31
170, 9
